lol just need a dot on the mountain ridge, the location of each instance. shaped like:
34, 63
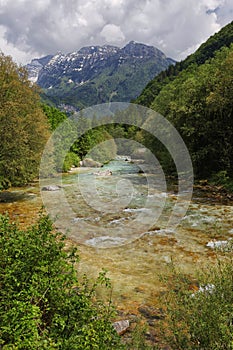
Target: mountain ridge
97, 74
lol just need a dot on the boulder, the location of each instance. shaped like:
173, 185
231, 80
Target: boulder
51, 188
88, 162
121, 326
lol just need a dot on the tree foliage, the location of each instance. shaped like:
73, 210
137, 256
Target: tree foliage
96, 143
199, 104
196, 96
43, 303
54, 115
23, 126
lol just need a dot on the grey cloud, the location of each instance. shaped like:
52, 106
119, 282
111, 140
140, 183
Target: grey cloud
225, 12
48, 26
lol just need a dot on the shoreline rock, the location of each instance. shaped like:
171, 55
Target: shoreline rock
121, 326
88, 162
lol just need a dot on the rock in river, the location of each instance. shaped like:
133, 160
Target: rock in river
51, 188
88, 162
103, 173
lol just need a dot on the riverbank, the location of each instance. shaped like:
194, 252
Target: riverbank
215, 193
135, 269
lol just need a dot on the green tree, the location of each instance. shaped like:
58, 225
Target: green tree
23, 126
88, 141
62, 160
199, 104
54, 115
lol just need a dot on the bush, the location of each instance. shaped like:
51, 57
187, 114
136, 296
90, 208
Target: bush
4, 183
71, 160
222, 178
201, 319
43, 304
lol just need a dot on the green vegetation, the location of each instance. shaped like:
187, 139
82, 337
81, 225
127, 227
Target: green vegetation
196, 97
23, 126
54, 115
206, 51
222, 179
55, 118
199, 104
198, 319
43, 303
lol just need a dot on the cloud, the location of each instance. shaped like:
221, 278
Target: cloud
46, 26
225, 13
112, 34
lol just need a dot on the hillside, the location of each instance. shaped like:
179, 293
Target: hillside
97, 74
207, 50
197, 100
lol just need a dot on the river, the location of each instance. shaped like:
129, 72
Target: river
133, 242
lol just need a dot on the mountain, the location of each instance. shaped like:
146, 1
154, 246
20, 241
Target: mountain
35, 67
97, 74
206, 51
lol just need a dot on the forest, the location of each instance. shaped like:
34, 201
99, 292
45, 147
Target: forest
196, 97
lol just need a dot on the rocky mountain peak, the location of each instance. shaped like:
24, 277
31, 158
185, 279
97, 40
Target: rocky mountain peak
140, 50
96, 73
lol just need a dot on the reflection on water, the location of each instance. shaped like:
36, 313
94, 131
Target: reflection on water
139, 243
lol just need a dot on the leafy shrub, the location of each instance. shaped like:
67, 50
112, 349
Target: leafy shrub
71, 159
202, 319
222, 178
4, 183
43, 304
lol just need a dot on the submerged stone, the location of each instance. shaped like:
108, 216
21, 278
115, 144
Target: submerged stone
51, 188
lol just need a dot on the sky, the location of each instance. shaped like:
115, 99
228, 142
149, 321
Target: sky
34, 28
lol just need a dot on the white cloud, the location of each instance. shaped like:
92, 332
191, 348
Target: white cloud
112, 34
46, 26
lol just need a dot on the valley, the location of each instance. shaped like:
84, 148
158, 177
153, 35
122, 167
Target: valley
142, 191
135, 266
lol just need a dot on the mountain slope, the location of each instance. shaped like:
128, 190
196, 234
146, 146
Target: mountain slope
198, 102
207, 50
97, 74
35, 67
